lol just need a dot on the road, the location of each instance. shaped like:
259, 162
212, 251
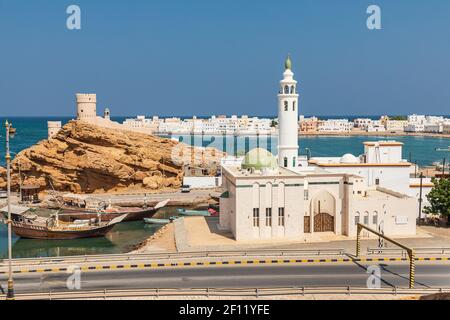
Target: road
430, 275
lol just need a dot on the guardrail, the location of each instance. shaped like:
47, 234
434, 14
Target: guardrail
176, 255
226, 292
403, 253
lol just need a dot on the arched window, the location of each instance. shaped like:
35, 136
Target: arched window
292, 89
293, 106
366, 218
286, 106
294, 160
286, 89
357, 217
375, 218
285, 162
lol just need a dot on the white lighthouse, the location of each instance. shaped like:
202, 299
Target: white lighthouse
288, 119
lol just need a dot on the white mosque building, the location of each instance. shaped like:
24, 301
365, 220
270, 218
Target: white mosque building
290, 198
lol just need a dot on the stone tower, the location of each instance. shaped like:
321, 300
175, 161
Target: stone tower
53, 128
288, 119
86, 107
107, 114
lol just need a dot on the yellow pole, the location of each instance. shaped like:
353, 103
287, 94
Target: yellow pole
358, 241
412, 268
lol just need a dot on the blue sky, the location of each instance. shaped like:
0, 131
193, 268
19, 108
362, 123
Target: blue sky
202, 57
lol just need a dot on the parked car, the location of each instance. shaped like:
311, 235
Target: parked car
3, 194
185, 189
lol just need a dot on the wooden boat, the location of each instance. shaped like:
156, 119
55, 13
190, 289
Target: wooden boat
160, 221
194, 213
156, 221
110, 212
26, 224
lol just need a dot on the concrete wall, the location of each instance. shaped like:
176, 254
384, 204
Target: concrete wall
203, 182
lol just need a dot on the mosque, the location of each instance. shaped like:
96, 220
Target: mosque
289, 197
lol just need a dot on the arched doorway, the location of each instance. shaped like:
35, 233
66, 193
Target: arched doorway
323, 208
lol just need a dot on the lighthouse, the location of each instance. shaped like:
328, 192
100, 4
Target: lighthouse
288, 119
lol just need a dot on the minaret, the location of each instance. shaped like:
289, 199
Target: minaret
288, 119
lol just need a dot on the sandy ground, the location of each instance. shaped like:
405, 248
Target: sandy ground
203, 234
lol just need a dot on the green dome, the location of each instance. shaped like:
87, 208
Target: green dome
288, 63
259, 159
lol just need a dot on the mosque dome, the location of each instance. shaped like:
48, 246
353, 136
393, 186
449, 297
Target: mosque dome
259, 159
349, 158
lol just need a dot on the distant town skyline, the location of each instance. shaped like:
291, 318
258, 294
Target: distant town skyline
210, 58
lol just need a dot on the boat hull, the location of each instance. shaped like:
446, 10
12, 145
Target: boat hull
69, 215
35, 232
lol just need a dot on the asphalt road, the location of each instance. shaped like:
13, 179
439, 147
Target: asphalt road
427, 276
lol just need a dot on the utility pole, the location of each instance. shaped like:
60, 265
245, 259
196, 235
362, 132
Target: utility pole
10, 131
420, 197
443, 162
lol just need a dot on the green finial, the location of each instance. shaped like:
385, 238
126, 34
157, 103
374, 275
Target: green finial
288, 63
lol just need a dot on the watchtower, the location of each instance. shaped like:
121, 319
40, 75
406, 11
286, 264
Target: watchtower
86, 106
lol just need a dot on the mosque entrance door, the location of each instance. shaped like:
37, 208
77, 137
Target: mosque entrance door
323, 220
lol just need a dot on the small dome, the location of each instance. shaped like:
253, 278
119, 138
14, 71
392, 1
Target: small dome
349, 158
259, 159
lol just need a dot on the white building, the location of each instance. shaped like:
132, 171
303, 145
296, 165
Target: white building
362, 123
335, 125
266, 198
415, 127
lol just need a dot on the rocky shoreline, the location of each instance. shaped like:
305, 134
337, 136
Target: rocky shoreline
86, 159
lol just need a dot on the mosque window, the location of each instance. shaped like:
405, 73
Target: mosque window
375, 218
268, 217
286, 106
294, 160
306, 194
285, 162
286, 89
292, 89
256, 217
366, 218
357, 218
377, 181
293, 106
281, 217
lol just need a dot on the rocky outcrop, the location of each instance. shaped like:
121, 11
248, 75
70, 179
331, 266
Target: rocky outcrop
83, 158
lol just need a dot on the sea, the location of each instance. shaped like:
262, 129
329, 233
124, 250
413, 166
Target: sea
30, 130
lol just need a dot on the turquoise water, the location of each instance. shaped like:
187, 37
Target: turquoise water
416, 148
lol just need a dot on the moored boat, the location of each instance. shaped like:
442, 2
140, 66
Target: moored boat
26, 224
156, 221
111, 212
194, 213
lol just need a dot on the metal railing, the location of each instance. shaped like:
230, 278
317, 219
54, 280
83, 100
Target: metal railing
227, 292
403, 253
177, 255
